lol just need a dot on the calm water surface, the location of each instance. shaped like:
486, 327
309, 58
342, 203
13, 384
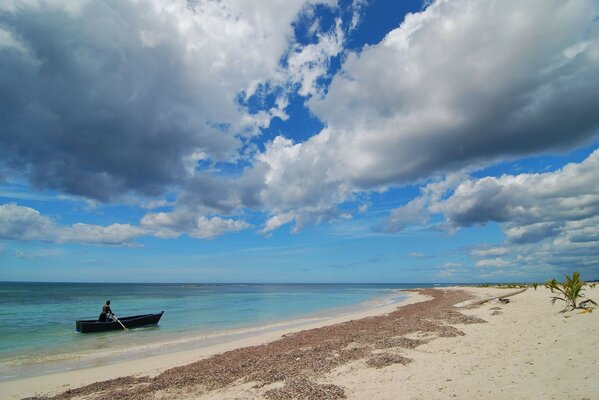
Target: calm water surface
37, 320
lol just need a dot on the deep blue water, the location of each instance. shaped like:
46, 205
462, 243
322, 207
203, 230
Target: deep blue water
37, 320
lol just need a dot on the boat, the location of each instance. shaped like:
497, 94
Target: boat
135, 321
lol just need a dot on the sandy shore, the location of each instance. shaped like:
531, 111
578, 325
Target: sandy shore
427, 349
55, 383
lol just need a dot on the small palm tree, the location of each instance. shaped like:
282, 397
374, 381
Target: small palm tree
569, 292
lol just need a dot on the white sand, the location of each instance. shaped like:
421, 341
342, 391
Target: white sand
527, 351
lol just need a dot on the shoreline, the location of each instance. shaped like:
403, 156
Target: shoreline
152, 365
428, 348
139, 344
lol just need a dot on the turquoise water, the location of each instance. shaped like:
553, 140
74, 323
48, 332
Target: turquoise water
37, 320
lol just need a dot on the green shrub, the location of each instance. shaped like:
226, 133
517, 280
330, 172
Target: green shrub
570, 292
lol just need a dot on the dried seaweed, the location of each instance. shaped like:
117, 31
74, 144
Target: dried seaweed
385, 359
399, 341
304, 389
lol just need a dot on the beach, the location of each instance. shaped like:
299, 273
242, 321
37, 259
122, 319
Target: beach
38, 335
437, 344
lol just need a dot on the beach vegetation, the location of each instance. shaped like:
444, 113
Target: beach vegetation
503, 285
535, 285
570, 292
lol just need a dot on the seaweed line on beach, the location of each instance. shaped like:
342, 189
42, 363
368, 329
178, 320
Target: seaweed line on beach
298, 359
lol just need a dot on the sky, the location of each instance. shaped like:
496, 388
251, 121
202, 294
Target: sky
299, 140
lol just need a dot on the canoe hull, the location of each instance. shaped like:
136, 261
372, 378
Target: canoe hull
135, 321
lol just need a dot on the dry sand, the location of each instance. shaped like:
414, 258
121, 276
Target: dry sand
425, 350
526, 350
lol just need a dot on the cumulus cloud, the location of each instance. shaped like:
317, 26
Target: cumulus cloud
271, 184
147, 89
306, 64
23, 223
27, 224
290, 171
416, 211
101, 98
531, 206
115, 234
205, 208
465, 82
216, 226
548, 218
462, 83
186, 221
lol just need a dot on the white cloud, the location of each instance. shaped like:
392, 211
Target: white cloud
184, 220
460, 82
416, 211
490, 252
493, 262
306, 64
463, 83
26, 224
23, 223
452, 265
216, 226
8, 41
160, 78
357, 9
550, 220
166, 225
277, 221
532, 206
115, 234
296, 182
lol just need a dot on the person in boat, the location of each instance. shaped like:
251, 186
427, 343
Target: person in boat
106, 314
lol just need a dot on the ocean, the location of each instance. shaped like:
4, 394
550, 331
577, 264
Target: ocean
37, 320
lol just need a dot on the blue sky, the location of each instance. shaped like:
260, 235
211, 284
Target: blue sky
299, 141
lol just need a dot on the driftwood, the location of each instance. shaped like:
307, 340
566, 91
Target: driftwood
500, 298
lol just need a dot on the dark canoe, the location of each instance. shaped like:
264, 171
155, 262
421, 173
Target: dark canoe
135, 321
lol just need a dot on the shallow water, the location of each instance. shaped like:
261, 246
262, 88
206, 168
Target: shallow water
37, 320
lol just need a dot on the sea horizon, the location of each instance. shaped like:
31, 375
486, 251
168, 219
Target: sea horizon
251, 283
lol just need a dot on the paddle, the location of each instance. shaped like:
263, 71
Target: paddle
117, 320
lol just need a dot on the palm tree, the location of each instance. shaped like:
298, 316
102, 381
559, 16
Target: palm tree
569, 292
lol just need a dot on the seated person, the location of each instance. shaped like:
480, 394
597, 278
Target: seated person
106, 314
